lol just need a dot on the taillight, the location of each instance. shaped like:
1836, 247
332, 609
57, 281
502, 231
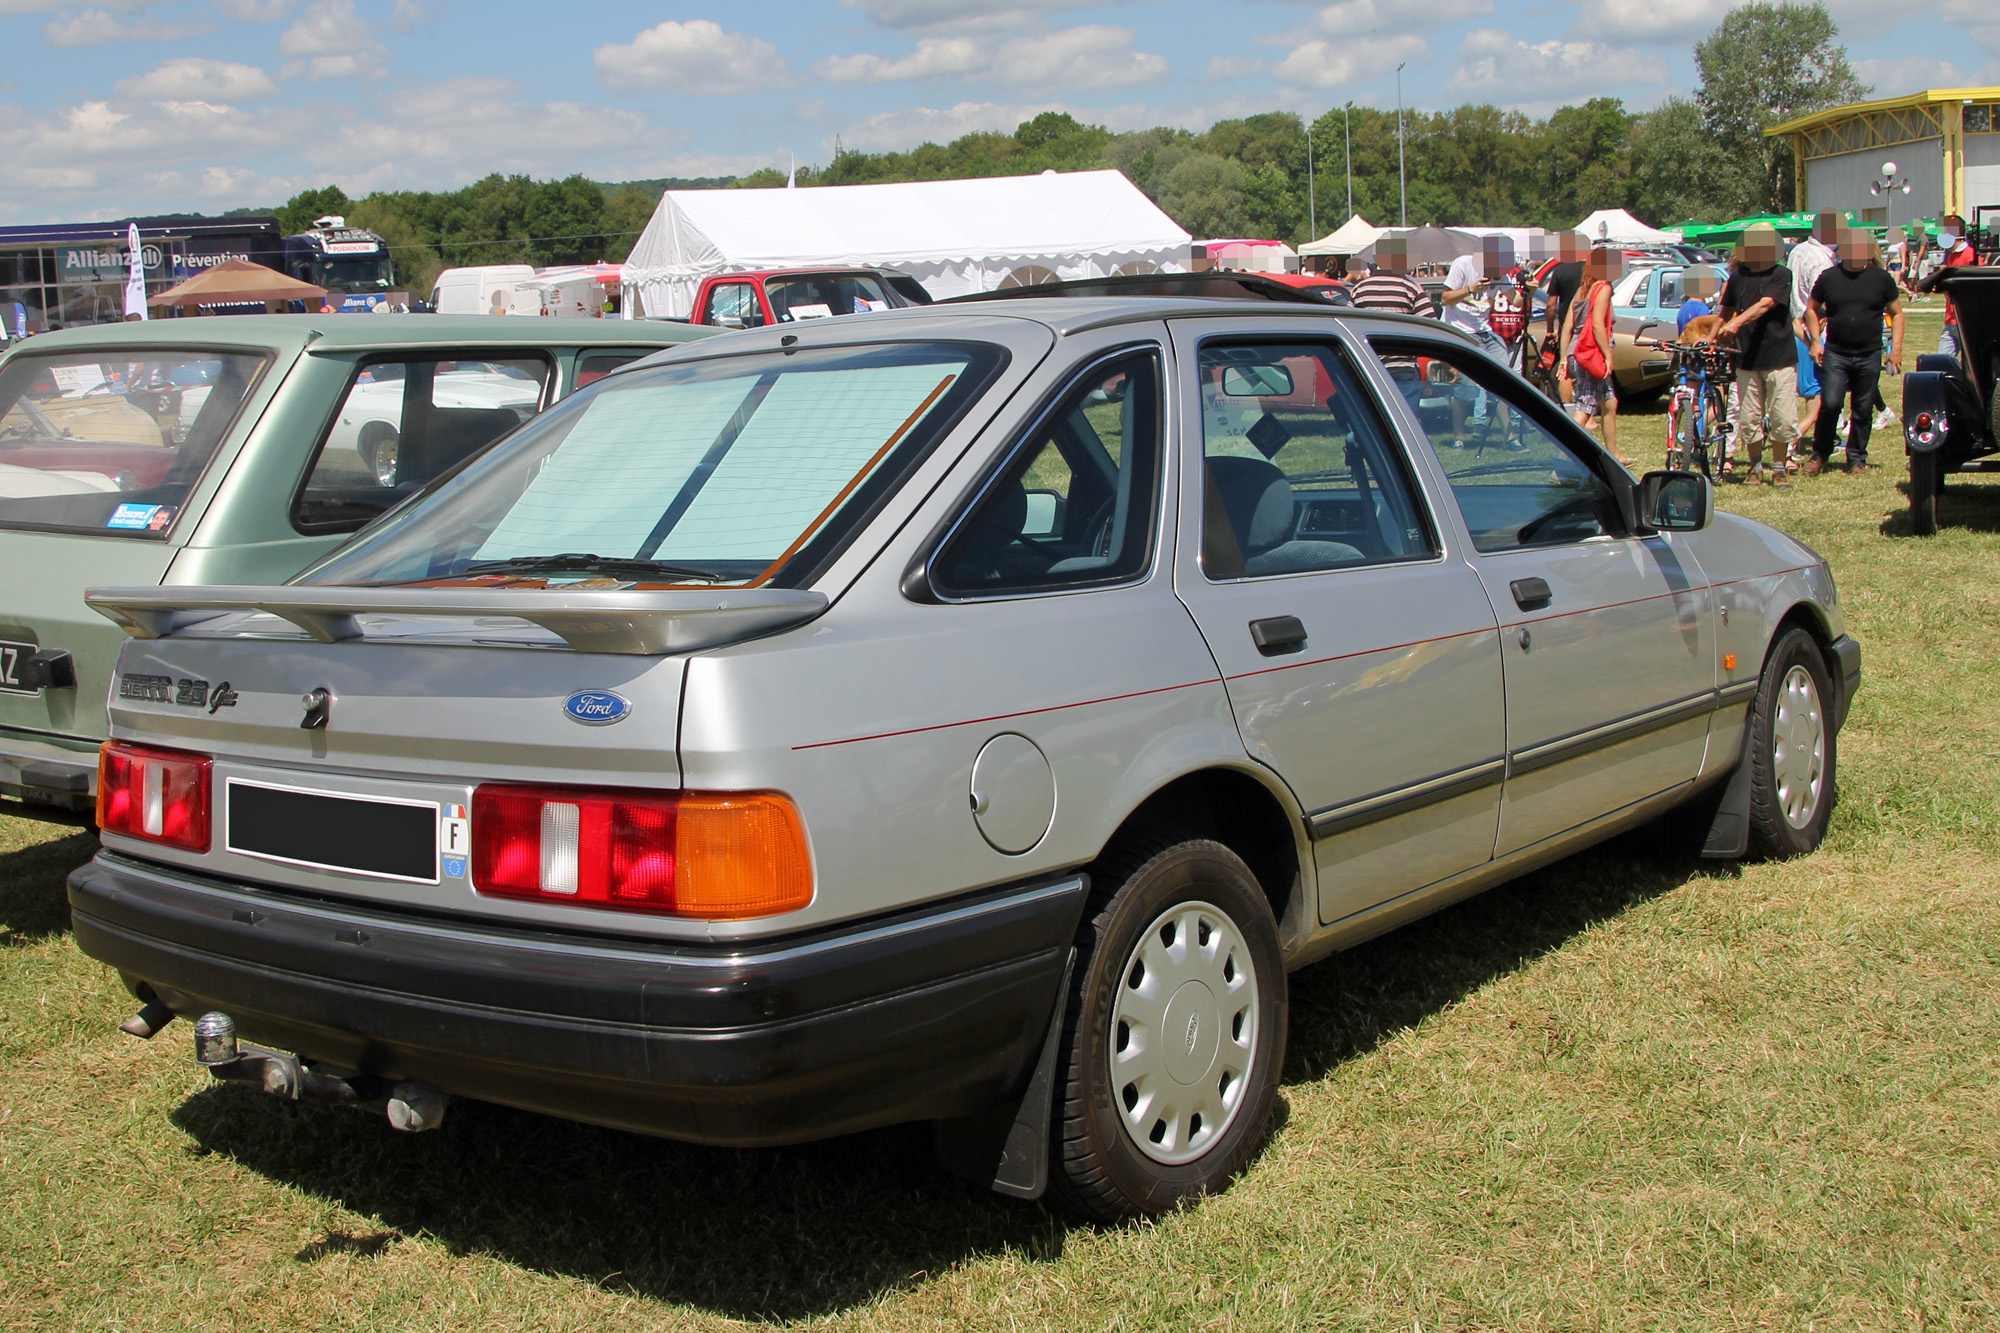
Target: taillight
1923, 422
158, 795
714, 855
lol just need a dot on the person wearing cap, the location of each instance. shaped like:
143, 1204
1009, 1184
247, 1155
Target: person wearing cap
1958, 252
1757, 315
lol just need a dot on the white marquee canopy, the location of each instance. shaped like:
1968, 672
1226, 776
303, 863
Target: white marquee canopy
955, 237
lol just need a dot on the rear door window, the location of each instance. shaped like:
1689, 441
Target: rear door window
111, 441
402, 422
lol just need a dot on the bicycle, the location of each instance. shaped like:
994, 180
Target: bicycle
1538, 367
1698, 425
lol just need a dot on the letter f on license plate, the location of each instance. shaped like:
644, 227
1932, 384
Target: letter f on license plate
454, 840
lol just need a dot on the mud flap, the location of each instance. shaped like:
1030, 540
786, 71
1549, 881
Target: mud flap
1007, 1147
1729, 830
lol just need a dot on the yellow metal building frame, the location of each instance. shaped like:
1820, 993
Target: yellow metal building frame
1937, 113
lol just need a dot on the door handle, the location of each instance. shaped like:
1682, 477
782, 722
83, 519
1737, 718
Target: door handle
1531, 594
1278, 634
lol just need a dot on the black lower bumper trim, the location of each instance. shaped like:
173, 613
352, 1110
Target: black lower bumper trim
930, 1015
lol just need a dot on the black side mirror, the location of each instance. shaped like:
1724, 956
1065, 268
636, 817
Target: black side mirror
1675, 501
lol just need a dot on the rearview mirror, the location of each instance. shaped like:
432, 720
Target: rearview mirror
1045, 514
1676, 501
1258, 381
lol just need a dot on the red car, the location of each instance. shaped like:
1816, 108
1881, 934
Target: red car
752, 300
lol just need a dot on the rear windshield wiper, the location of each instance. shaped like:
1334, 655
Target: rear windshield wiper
582, 563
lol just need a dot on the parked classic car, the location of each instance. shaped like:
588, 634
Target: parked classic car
1951, 405
967, 714
228, 450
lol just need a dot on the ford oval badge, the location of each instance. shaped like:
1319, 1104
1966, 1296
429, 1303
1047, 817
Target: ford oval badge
596, 708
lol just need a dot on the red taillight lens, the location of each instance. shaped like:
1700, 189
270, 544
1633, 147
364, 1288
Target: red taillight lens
1923, 421
158, 795
714, 855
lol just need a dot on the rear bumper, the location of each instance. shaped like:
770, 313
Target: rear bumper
929, 1015
46, 768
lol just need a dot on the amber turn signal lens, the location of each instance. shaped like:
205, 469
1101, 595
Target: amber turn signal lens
1729, 661
740, 854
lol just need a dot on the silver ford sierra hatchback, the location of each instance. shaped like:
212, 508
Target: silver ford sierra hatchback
960, 714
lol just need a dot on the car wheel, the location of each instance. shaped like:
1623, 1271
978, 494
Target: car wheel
378, 451
1174, 1034
1791, 749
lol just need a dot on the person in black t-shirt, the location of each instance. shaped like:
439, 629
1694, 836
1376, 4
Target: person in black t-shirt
1757, 315
1844, 330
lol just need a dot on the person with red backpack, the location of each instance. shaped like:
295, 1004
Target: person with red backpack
1587, 333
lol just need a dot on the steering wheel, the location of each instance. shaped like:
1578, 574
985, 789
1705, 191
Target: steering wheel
1571, 508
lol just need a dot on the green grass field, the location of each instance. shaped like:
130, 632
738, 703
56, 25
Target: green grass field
1633, 1091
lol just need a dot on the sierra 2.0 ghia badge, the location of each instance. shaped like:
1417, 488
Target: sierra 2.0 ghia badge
597, 708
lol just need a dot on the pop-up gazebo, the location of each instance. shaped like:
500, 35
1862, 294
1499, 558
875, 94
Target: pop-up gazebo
956, 237
235, 282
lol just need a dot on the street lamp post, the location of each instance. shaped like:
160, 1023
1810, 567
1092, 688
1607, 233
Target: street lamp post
1312, 197
1347, 120
1402, 178
1886, 187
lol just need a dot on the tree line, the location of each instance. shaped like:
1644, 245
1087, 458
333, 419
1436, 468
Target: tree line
1703, 157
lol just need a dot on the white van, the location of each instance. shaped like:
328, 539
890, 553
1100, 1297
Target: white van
487, 289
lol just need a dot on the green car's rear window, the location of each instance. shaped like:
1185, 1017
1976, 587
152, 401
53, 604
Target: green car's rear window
109, 441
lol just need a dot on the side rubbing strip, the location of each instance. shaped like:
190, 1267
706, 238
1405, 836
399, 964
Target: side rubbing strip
1737, 693
1402, 800
1611, 733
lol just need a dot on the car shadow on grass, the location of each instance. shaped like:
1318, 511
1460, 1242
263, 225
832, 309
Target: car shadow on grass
34, 902
790, 1233
1971, 505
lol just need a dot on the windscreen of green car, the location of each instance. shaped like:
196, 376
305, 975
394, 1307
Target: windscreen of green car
743, 470
109, 441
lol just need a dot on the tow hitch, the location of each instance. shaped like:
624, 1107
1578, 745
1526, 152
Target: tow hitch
412, 1107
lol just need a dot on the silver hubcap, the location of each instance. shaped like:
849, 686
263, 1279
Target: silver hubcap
1183, 1029
1798, 747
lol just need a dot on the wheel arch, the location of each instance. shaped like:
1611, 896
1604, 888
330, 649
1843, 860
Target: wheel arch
1251, 812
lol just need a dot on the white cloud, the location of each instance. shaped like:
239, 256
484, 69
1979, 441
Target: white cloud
336, 43
95, 27
43, 6
1893, 78
256, 11
696, 57
1350, 18
893, 131
935, 57
961, 15
108, 158
1495, 66
409, 15
1651, 20
1232, 67
198, 80
1329, 64
1086, 57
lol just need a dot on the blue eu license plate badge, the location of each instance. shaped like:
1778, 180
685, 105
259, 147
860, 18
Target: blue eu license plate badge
454, 840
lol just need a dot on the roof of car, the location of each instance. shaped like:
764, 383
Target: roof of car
368, 332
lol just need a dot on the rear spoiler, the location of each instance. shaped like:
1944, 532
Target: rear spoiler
597, 621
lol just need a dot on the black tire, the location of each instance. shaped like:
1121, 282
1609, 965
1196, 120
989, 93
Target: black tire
1790, 803
1926, 480
1097, 1167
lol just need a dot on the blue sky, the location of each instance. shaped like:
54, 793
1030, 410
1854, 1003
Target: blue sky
110, 107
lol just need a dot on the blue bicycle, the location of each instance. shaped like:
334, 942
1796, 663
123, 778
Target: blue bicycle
1698, 424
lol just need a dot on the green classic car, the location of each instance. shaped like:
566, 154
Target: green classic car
234, 451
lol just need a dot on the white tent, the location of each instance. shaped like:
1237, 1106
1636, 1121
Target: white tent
1615, 224
955, 237
1355, 234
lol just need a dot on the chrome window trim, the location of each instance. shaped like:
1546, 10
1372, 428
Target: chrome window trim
917, 577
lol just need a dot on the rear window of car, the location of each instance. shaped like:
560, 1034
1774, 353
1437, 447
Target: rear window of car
110, 441
819, 295
724, 471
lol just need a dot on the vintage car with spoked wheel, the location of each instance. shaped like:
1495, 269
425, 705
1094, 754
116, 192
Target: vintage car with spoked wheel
969, 714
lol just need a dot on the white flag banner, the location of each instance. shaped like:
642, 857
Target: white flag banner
135, 273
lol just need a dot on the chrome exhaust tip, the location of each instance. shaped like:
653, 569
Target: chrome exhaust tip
146, 1024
